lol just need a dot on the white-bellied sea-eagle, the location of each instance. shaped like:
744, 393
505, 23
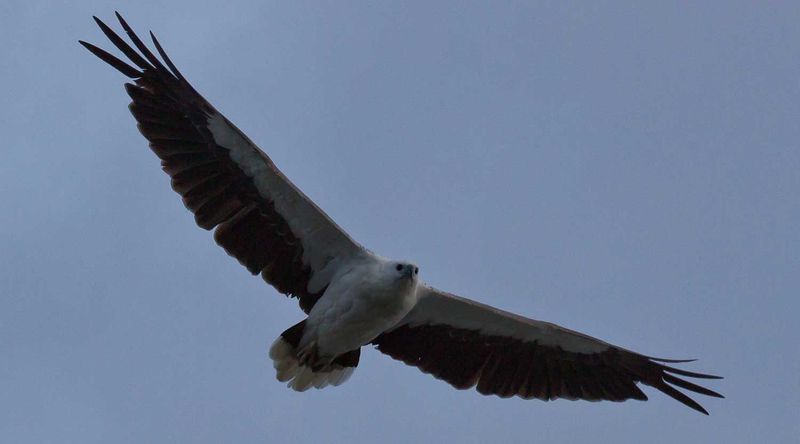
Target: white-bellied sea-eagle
353, 297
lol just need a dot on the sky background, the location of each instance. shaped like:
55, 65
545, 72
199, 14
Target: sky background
627, 170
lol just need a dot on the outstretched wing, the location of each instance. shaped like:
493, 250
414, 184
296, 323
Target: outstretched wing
230, 185
467, 343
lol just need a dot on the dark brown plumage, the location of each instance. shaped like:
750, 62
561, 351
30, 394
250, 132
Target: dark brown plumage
506, 367
174, 119
230, 190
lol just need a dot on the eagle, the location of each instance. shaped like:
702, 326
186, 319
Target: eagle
353, 297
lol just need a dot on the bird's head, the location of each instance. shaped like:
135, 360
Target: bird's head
402, 271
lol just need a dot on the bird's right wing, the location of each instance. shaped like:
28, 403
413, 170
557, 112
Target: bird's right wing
470, 344
260, 217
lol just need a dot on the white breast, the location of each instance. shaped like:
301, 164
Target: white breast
358, 305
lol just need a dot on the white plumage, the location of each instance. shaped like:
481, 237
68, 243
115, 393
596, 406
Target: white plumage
363, 300
352, 296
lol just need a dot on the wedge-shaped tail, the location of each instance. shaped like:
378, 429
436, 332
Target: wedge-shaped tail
294, 366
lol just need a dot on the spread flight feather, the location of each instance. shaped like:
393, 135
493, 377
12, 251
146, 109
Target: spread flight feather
352, 296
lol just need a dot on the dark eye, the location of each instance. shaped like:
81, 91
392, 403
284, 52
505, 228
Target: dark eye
398, 267
416, 270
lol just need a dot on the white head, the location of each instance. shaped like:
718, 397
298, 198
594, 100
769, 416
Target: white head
402, 272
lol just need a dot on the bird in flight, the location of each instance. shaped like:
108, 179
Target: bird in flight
353, 297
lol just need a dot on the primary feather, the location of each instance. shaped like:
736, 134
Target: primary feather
352, 296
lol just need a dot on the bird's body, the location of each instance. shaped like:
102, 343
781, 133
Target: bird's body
352, 296
363, 301
360, 304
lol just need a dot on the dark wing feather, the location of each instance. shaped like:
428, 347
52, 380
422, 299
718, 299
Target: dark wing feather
271, 229
473, 345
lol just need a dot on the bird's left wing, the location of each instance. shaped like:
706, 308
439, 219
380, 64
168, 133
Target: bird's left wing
260, 217
467, 343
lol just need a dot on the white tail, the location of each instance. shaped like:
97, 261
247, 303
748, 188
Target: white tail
300, 376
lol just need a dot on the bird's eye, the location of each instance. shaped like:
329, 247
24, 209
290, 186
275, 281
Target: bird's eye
416, 270
398, 267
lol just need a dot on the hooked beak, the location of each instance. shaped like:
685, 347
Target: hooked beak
407, 272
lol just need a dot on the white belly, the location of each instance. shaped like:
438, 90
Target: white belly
355, 309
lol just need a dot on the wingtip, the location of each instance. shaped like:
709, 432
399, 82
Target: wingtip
116, 63
121, 20
91, 48
672, 361
166, 58
697, 407
678, 371
88, 46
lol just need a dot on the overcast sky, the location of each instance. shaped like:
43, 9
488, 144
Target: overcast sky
628, 171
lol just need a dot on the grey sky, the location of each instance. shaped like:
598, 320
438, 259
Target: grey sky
631, 172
